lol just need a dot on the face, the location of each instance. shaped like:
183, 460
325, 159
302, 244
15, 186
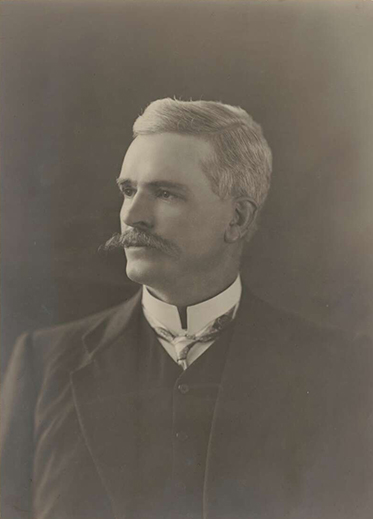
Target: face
167, 196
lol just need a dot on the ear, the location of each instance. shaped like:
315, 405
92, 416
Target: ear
244, 216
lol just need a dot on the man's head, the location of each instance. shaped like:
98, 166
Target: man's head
194, 180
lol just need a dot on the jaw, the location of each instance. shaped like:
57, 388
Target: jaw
147, 266
178, 282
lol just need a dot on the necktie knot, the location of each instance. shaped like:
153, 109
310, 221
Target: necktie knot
184, 343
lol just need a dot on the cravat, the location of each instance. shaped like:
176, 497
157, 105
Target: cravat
184, 343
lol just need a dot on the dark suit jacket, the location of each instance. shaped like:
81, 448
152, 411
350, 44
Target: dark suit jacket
291, 435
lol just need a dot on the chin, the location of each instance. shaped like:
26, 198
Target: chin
150, 272
140, 272
136, 274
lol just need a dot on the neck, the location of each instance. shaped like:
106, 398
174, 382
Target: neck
195, 291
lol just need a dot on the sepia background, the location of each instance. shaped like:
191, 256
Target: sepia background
74, 76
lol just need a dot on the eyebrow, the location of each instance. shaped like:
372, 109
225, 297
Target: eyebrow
125, 182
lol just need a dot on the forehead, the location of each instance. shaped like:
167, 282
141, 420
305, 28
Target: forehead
166, 156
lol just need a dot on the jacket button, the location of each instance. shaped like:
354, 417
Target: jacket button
183, 388
182, 436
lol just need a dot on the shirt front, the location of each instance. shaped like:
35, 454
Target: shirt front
199, 316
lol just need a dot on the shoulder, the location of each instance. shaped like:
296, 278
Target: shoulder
304, 341
327, 372
73, 329
279, 320
64, 345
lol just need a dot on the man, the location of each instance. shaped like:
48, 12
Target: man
193, 399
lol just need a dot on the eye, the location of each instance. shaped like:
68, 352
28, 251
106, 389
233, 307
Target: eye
128, 192
166, 195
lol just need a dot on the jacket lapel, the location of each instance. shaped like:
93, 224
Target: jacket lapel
250, 462
105, 394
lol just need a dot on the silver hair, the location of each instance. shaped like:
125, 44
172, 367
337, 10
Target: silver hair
242, 162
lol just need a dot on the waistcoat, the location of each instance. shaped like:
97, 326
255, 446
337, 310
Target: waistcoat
174, 416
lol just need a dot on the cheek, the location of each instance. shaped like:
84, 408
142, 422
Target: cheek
192, 226
203, 233
170, 220
212, 222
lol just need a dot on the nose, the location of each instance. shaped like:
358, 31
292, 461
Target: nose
136, 212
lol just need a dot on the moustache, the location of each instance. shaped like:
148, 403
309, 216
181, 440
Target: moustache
138, 238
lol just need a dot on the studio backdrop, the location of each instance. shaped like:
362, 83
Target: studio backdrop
75, 75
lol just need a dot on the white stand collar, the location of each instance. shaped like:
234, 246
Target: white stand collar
198, 316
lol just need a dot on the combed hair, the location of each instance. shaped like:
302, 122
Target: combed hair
242, 162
